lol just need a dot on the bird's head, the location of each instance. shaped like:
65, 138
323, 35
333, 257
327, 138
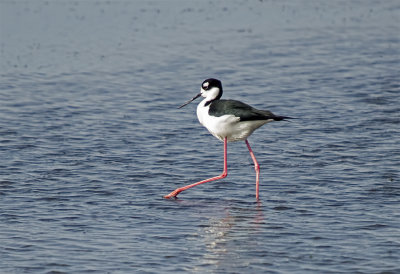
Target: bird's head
211, 89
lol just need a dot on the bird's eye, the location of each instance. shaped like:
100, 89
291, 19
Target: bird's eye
205, 85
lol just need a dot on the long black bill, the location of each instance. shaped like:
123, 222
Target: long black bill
194, 98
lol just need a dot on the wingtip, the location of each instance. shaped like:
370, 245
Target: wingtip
284, 118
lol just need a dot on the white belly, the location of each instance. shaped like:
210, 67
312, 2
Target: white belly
227, 125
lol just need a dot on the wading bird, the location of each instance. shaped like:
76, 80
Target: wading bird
229, 121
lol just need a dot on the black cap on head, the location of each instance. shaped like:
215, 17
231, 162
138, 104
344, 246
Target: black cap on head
211, 83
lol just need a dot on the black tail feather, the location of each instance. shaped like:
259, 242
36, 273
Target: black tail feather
283, 118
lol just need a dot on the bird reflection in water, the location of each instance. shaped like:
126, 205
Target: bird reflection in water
224, 238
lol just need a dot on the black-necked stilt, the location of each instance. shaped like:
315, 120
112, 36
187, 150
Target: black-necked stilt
229, 121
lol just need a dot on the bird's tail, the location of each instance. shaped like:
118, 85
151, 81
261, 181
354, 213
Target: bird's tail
283, 118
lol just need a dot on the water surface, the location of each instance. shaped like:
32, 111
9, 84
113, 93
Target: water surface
91, 137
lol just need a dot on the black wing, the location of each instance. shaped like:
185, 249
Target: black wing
243, 111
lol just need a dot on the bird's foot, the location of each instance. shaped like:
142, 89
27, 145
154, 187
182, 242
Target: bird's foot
173, 194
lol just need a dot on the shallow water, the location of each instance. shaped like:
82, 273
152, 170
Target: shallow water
91, 139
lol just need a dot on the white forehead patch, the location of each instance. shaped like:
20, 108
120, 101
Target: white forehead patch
206, 84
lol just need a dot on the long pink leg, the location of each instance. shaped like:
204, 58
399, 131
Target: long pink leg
223, 175
256, 167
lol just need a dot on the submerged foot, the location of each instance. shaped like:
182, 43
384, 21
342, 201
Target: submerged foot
173, 194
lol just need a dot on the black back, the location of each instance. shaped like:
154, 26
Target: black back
243, 111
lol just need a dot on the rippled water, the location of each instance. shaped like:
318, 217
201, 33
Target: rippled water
91, 140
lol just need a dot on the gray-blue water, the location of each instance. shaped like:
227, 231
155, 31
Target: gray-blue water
91, 137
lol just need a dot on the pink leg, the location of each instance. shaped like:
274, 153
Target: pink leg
223, 175
256, 167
